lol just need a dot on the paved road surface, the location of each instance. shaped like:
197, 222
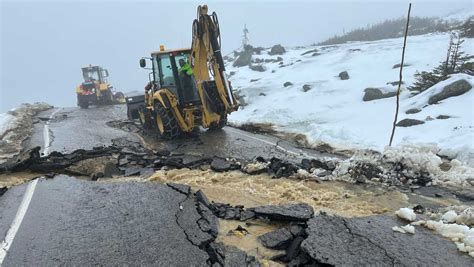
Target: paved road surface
74, 222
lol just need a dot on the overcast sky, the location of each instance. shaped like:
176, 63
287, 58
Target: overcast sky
44, 44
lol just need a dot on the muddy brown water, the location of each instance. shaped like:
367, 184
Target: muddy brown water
335, 197
237, 188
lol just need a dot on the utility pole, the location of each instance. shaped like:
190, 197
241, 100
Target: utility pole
400, 81
245, 37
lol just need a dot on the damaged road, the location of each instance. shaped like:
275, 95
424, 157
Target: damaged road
115, 215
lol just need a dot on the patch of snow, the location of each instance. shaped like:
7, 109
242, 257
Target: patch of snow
406, 214
333, 112
6, 121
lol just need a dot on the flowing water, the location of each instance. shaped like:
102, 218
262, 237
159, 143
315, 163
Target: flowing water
237, 188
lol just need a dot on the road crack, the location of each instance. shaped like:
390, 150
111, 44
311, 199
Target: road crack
344, 221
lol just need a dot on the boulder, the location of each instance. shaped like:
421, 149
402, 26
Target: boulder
409, 122
286, 84
244, 59
454, 89
287, 212
306, 87
259, 68
277, 50
443, 117
220, 165
344, 75
412, 111
375, 93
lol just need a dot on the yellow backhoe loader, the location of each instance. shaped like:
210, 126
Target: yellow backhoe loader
95, 90
188, 87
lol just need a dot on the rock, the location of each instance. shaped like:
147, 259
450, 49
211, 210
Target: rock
443, 117
409, 122
315, 54
454, 89
412, 111
286, 84
282, 168
278, 239
287, 212
259, 68
445, 166
262, 94
244, 59
375, 93
253, 80
182, 188
429, 118
310, 51
306, 87
344, 75
370, 241
277, 50
110, 170
396, 66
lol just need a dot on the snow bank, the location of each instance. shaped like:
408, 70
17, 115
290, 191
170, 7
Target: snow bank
15, 127
6, 121
333, 112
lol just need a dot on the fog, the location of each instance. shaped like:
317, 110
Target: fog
44, 44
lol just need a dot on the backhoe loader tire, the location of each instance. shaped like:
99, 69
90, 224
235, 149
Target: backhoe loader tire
219, 125
82, 102
166, 123
145, 117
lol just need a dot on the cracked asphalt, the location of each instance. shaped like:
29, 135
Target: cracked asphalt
69, 221
75, 222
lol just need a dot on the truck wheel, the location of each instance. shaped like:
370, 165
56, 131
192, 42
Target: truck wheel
220, 124
166, 123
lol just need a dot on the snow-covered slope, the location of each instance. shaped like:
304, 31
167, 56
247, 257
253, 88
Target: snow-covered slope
333, 111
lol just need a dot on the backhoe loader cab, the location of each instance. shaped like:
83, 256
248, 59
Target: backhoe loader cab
188, 87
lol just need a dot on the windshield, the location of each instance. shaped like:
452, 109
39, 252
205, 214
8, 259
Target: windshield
90, 74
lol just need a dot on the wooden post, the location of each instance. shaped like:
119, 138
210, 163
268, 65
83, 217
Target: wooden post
400, 80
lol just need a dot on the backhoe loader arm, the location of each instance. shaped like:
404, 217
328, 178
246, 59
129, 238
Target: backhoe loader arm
206, 59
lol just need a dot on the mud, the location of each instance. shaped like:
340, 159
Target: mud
248, 242
237, 188
12, 179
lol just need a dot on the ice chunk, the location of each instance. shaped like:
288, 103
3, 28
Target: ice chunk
404, 229
449, 217
406, 214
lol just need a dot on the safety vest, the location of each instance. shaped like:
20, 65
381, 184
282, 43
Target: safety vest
186, 69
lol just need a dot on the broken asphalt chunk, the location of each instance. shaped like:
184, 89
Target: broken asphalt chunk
222, 165
287, 212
